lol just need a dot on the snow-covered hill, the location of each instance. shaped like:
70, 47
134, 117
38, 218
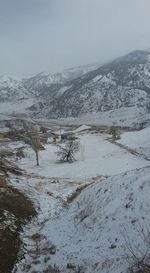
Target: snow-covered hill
89, 230
95, 232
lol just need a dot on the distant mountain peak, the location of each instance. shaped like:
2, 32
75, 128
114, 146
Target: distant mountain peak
6, 78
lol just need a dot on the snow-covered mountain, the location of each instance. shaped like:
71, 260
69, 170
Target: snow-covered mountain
122, 83
11, 88
45, 80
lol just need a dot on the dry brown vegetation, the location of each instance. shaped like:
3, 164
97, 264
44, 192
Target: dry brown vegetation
15, 210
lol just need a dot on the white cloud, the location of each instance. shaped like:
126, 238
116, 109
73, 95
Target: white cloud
53, 34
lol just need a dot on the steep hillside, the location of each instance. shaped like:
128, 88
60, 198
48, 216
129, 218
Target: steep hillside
124, 82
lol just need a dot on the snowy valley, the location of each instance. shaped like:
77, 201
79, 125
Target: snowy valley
88, 211
90, 214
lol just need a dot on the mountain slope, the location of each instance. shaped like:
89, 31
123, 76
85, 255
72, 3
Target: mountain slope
44, 79
120, 84
38, 86
124, 82
11, 88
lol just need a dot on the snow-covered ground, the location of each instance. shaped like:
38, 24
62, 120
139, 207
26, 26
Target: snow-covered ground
93, 232
124, 117
140, 141
96, 157
90, 232
132, 117
18, 107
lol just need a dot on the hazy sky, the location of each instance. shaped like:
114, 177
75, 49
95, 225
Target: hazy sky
49, 35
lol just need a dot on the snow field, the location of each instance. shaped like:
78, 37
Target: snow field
96, 157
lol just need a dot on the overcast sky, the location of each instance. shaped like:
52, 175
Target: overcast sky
49, 35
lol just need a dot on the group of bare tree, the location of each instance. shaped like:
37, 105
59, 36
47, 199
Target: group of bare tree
65, 153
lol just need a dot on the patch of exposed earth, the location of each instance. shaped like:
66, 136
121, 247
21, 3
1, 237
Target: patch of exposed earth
15, 211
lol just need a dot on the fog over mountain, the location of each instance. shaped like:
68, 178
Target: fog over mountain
51, 35
120, 87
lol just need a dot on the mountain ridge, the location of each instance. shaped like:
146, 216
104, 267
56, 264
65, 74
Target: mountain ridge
123, 82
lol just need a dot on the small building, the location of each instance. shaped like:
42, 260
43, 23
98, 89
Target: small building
54, 137
49, 137
57, 136
82, 128
44, 130
68, 136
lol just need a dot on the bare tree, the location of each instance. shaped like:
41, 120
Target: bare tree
33, 133
139, 255
66, 152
